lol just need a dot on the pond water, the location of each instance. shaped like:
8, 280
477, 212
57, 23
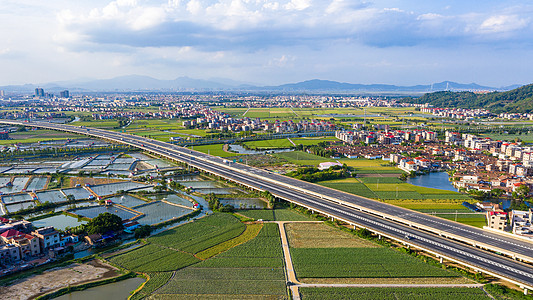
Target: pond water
18, 185
16, 198
4, 180
159, 163
127, 200
37, 183
157, 212
78, 193
63, 207
436, 180
93, 212
113, 188
242, 150
16, 207
116, 290
59, 222
54, 196
200, 184
172, 199
217, 191
244, 203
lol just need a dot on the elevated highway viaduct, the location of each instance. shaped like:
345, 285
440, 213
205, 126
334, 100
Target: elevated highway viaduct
495, 254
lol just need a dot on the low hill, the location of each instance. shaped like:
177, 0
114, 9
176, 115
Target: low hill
519, 100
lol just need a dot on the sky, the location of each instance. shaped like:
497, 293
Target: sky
268, 42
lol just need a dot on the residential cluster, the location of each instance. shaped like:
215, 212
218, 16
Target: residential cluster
21, 243
478, 163
228, 124
457, 113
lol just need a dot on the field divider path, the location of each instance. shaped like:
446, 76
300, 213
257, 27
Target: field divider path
292, 281
291, 142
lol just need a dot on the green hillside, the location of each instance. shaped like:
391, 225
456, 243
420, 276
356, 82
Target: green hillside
519, 100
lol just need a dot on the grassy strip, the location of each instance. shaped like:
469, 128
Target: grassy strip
503, 292
85, 286
249, 233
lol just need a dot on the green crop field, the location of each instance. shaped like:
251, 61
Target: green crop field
390, 188
201, 234
250, 270
269, 144
104, 124
302, 158
251, 232
215, 149
431, 204
319, 235
156, 281
477, 220
153, 258
34, 136
307, 141
528, 138
360, 263
380, 180
279, 214
355, 188
343, 293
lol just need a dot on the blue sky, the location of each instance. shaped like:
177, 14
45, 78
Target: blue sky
268, 42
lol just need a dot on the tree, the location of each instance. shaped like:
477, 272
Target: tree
143, 231
522, 191
497, 193
104, 222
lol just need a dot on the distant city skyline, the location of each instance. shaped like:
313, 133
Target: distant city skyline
268, 42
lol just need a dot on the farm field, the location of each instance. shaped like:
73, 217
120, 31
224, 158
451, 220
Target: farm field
153, 258
269, 144
201, 234
34, 136
278, 214
302, 158
251, 232
103, 124
318, 235
339, 293
155, 281
360, 263
253, 270
285, 143
393, 191
528, 138
390, 188
215, 149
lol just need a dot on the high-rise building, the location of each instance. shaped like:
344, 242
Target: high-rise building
39, 92
64, 94
2, 93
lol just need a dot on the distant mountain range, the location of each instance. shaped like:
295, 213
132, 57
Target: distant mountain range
519, 100
138, 83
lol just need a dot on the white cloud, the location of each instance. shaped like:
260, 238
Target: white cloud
194, 7
503, 23
298, 4
283, 61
